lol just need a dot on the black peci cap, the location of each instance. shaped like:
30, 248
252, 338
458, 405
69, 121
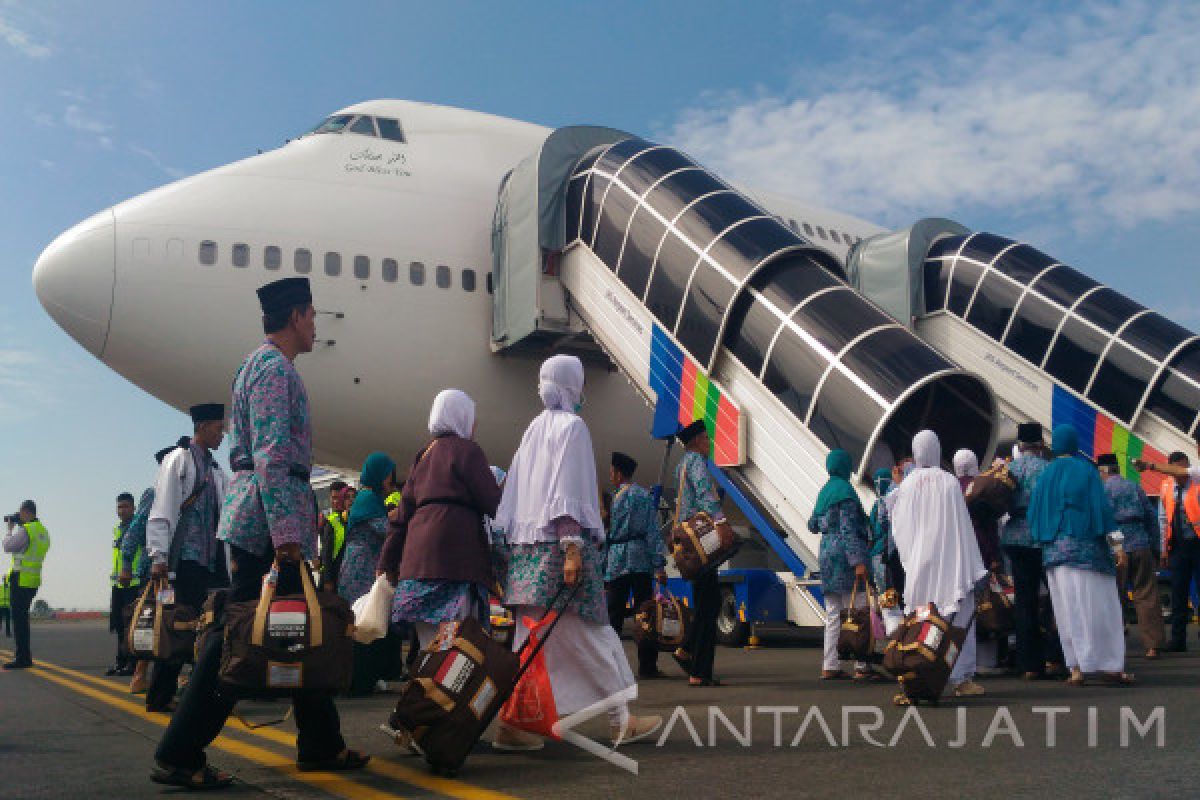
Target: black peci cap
284, 294
1029, 433
689, 432
1106, 460
161, 454
207, 412
624, 464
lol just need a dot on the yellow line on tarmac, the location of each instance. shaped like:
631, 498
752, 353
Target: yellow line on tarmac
409, 775
326, 781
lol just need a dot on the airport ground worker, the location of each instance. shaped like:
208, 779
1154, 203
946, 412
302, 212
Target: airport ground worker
5, 607
181, 531
28, 541
122, 594
269, 512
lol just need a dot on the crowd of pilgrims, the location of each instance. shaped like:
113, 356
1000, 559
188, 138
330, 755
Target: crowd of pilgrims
457, 534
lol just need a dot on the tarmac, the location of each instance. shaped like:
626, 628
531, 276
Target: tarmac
774, 730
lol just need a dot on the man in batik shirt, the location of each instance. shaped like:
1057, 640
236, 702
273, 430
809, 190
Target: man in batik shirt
635, 554
1138, 521
269, 514
181, 531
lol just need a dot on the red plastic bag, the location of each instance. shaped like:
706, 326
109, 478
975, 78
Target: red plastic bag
531, 706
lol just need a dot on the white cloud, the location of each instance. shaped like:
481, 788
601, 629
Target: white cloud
152, 157
74, 116
1093, 114
21, 41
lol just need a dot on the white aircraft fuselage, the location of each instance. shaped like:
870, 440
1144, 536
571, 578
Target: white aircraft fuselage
131, 286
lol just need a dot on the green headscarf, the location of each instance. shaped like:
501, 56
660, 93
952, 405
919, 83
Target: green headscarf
838, 487
1069, 498
368, 503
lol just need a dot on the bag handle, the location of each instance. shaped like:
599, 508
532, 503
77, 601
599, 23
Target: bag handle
137, 610
316, 633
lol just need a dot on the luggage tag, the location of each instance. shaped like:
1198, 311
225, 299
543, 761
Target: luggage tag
930, 636
710, 542
454, 672
166, 596
284, 676
671, 627
143, 631
483, 698
447, 632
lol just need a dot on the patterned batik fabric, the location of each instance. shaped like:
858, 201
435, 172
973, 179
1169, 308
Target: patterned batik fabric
1025, 470
697, 488
273, 504
1093, 555
535, 574
843, 531
1135, 515
436, 601
135, 537
635, 542
360, 555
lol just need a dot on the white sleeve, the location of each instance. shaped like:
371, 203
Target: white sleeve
1194, 474
170, 489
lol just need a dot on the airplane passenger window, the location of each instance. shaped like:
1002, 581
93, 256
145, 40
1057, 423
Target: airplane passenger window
490, 285
468, 280
208, 253
302, 261
390, 129
333, 124
834, 235
362, 267
241, 255
821, 232
391, 270
333, 264
443, 277
364, 125
808, 229
416, 273
272, 257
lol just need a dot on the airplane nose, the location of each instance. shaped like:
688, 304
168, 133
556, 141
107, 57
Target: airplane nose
74, 279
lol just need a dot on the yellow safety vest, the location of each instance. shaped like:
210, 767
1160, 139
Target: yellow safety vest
392, 501
339, 532
29, 563
135, 567
4, 600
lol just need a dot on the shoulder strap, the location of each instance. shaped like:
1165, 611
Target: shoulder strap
679, 490
200, 483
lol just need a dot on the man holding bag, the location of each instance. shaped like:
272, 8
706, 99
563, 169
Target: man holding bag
269, 514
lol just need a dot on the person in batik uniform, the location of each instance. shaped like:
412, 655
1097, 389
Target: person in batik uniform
636, 554
1137, 520
269, 516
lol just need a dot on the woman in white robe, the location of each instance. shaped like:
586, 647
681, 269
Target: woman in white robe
550, 516
933, 535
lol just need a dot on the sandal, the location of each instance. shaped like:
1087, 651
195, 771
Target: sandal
696, 682
868, 676
834, 675
1076, 681
901, 699
351, 759
1115, 679
209, 778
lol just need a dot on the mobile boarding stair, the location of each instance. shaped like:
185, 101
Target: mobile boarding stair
714, 309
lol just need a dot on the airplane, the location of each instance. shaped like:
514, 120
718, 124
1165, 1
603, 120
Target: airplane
387, 207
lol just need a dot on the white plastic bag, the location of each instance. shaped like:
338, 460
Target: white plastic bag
373, 612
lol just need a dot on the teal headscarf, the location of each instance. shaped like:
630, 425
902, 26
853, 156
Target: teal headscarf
1069, 498
368, 503
883, 484
838, 487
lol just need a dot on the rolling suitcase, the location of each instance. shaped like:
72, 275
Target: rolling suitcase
462, 679
922, 653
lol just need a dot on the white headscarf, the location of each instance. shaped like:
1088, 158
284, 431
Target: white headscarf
933, 533
560, 383
966, 465
452, 412
553, 473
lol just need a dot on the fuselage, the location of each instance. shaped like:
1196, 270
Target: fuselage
395, 237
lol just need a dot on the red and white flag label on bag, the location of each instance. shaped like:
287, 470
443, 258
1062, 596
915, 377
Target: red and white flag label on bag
930, 635
287, 619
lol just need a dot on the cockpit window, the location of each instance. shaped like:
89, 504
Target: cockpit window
333, 124
364, 125
390, 129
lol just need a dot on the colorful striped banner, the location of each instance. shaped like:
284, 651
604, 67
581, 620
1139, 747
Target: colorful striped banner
685, 394
1099, 433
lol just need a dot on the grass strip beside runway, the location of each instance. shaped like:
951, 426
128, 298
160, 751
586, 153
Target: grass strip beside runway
410, 775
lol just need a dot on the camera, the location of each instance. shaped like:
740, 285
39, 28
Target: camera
12, 518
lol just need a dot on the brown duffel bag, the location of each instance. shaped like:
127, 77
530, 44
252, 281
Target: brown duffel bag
663, 621
280, 645
857, 635
922, 653
994, 606
700, 545
161, 631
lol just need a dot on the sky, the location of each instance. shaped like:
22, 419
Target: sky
1073, 126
